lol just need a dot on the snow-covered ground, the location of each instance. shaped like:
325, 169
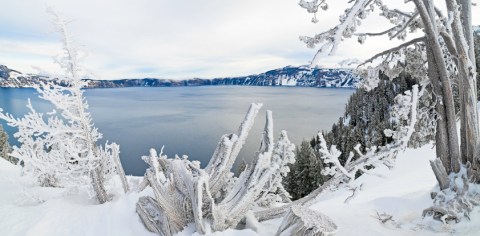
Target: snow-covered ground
403, 193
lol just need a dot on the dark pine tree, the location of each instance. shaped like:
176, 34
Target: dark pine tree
305, 174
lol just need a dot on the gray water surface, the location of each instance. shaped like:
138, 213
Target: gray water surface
190, 120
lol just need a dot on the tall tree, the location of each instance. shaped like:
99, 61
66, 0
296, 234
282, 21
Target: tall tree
59, 149
445, 52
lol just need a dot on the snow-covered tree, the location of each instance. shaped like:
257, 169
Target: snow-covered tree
59, 148
443, 54
305, 174
185, 193
5, 146
367, 115
405, 111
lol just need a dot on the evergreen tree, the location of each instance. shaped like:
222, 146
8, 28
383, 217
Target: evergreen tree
5, 147
367, 115
305, 174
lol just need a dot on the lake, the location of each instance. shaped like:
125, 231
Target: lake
191, 120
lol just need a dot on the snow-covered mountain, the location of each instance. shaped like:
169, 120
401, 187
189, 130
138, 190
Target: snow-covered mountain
15, 79
288, 76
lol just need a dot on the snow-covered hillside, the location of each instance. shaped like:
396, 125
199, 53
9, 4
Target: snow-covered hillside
15, 79
303, 76
402, 193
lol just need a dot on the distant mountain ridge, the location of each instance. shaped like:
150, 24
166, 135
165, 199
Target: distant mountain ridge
303, 76
13, 78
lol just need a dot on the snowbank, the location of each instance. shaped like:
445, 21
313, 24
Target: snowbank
403, 193
29, 210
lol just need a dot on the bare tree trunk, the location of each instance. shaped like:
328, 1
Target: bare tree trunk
426, 12
153, 219
440, 173
469, 120
441, 136
118, 165
462, 34
463, 123
467, 26
98, 185
466, 6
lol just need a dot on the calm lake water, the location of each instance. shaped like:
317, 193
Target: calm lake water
190, 120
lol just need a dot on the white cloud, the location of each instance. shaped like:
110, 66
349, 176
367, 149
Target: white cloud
173, 38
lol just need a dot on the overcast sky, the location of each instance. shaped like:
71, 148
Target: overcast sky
173, 38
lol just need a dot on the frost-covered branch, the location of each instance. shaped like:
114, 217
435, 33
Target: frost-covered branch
352, 19
227, 150
185, 193
392, 50
330, 39
401, 29
313, 6
362, 38
397, 31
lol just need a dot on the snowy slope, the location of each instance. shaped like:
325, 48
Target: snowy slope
403, 192
27, 210
35, 211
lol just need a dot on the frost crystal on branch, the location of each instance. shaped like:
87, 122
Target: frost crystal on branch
350, 22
